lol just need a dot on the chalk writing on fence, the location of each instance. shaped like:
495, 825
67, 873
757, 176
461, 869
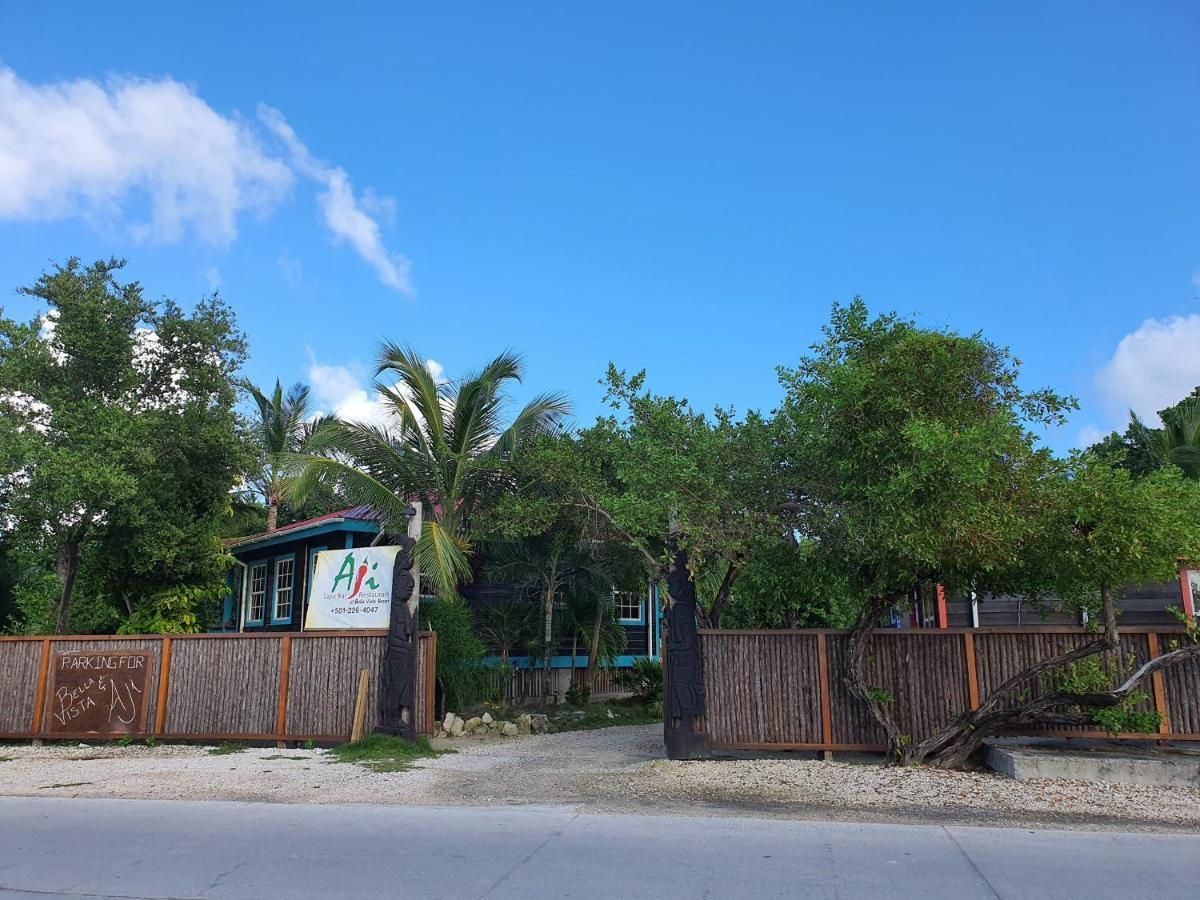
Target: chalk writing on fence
98, 693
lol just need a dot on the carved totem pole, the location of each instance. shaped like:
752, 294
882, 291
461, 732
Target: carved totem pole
683, 706
398, 674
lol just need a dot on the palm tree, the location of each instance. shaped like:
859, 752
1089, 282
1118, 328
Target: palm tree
444, 445
505, 624
1178, 441
559, 565
282, 426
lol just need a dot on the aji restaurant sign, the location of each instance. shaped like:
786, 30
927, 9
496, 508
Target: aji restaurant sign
351, 589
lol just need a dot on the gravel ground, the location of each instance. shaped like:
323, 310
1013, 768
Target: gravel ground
606, 770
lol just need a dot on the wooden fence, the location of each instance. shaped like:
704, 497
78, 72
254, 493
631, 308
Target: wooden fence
785, 690
217, 687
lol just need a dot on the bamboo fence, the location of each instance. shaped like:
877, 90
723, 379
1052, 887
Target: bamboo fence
253, 687
786, 689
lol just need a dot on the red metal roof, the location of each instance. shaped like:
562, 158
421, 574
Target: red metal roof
353, 513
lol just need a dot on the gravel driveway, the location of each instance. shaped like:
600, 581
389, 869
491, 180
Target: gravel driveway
607, 770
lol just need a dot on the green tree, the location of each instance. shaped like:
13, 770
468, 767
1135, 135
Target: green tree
915, 463
657, 475
282, 426
1099, 528
446, 447
1142, 449
118, 446
910, 462
506, 624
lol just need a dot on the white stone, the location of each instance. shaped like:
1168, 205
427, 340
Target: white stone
448, 722
487, 718
508, 729
474, 722
457, 727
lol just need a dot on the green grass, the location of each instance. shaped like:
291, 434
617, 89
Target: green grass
7, 758
597, 716
225, 749
384, 753
46, 787
283, 756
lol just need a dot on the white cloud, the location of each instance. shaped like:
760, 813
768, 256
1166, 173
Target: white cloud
345, 391
345, 215
82, 149
213, 276
104, 151
1152, 368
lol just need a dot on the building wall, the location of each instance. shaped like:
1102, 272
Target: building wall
302, 551
1145, 604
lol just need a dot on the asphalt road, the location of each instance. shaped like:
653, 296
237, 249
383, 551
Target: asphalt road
144, 848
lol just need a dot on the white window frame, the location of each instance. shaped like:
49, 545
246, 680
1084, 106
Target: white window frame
257, 596
289, 589
621, 606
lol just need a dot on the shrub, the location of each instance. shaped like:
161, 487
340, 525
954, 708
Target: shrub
645, 679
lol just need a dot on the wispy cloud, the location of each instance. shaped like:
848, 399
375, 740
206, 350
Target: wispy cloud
345, 215
98, 150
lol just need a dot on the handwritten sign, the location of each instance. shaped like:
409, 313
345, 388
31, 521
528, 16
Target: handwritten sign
95, 692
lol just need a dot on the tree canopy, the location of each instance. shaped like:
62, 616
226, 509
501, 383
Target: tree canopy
118, 447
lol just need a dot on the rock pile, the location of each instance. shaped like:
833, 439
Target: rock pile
454, 726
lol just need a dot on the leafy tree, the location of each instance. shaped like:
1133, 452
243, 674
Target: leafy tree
117, 446
282, 426
1099, 528
914, 463
446, 446
659, 477
910, 461
1142, 449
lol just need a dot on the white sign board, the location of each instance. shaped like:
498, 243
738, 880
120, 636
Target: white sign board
351, 589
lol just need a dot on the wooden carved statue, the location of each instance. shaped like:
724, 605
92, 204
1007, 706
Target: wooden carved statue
683, 705
398, 682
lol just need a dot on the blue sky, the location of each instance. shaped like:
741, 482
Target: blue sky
682, 187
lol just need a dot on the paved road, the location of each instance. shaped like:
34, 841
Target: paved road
145, 848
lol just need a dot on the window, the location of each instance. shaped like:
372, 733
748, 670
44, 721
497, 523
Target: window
629, 605
258, 594
285, 575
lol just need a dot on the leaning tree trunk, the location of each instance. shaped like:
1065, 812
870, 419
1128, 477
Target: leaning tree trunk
877, 700
954, 745
68, 569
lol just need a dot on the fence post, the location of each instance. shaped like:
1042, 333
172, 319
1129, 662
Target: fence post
430, 679
1159, 690
39, 696
972, 673
285, 668
826, 711
164, 685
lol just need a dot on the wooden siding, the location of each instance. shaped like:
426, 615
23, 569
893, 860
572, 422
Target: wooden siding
227, 686
787, 689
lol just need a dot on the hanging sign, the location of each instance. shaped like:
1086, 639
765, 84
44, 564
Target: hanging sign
351, 589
